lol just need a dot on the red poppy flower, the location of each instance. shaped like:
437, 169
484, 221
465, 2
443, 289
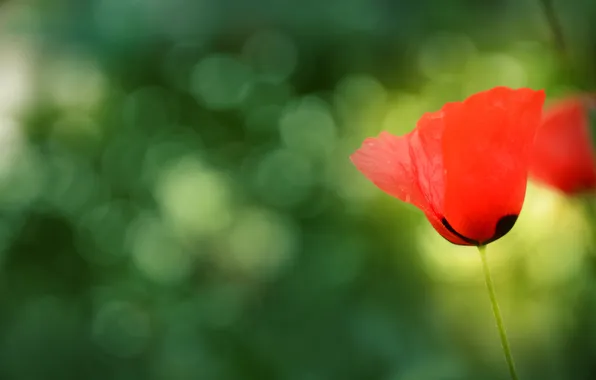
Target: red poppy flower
464, 166
563, 155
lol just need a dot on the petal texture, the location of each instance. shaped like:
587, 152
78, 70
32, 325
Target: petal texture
410, 168
487, 143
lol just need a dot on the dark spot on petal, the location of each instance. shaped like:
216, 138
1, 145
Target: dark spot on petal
462, 237
504, 225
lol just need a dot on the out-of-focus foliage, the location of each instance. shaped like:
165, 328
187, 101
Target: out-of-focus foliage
178, 203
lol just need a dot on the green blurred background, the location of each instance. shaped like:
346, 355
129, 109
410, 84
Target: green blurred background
177, 200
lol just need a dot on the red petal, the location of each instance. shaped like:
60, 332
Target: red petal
486, 147
563, 156
425, 146
409, 168
385, 160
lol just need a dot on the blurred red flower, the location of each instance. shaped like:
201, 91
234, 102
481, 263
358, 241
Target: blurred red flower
465, 166
563, 155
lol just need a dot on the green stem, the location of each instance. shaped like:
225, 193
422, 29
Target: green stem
555, 27
497, 313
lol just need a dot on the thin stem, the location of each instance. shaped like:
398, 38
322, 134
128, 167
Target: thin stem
497, 313
555, 27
